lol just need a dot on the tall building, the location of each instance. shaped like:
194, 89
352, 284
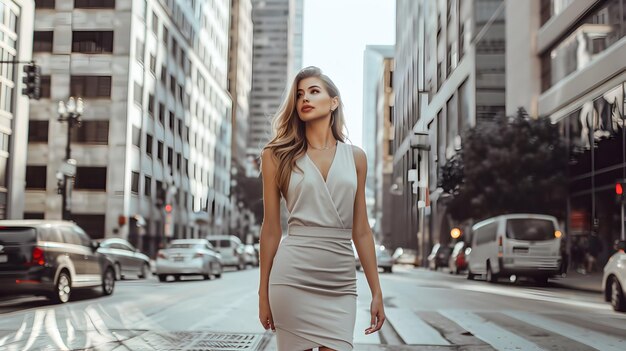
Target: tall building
239, 87
16, 18
374, 66
277, 52
153, 152
569, 66
450, 75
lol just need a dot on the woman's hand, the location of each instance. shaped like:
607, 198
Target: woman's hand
265, 314
378, 315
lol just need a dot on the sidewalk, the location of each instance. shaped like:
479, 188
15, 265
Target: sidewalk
590, 282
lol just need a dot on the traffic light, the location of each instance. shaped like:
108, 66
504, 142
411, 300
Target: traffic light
620, 188
32, 80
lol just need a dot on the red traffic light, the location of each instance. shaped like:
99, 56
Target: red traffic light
168, 208
618, 189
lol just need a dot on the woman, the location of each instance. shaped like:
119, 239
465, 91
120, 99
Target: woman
307, 290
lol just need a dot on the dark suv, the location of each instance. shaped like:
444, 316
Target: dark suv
50, 258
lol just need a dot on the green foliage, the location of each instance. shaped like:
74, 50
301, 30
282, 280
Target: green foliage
508, 165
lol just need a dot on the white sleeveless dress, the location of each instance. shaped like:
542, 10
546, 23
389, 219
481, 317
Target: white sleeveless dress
312, 284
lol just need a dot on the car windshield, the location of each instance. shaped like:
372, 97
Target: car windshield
185, 246
529, 229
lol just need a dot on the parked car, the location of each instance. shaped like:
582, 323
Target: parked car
188, 257
614, 278
457, 261
231, 249
127, 260
384, 259
251, 255
405, 256
520, 244
439, 256
51, 258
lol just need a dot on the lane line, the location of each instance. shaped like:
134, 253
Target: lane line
492, 334
588, 337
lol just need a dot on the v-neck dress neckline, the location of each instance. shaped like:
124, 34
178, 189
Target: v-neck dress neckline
332, 163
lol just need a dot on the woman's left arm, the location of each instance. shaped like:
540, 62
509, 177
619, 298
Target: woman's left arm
364, 243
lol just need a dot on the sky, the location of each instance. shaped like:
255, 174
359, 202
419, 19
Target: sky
335, 34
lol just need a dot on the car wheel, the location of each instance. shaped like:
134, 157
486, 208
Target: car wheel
492, 278
62, 288
145, 271
108, 281
207, 275
470, 275
617, 296
162, 277
388, 269
219, 273
118, 271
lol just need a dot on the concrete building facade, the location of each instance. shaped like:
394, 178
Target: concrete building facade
569, 66
156, 128
17, 18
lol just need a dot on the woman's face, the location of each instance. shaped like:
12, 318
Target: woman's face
313, 101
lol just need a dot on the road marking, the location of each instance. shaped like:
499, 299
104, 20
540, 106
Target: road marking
363, 318
412, 329
37, 324
588, 337
492, 334
53, 330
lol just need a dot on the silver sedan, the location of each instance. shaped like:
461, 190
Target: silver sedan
188, 257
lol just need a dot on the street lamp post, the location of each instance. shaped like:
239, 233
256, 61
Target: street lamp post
69, 112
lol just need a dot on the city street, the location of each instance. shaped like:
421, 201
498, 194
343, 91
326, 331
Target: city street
426, 311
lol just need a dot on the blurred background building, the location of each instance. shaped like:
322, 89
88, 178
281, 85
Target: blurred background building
16, 17
153, 152
377, 112
569, 65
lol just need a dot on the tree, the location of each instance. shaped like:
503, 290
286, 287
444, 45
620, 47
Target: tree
508, 165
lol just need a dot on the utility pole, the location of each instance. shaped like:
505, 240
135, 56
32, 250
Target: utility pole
69, 112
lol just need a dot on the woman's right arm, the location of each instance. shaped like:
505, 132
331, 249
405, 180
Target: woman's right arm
270, 233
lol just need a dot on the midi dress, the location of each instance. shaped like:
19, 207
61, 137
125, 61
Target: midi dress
312, 284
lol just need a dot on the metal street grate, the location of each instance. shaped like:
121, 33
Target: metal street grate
195, 341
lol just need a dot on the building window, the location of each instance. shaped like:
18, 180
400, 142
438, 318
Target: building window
44, 87
160, 150
149, 145
155, 24
151, 105
90, 86
147, 186
162, 114
44, 4
163, 76
134, 182
92, 42
170, 156
36, 177
136, 136
94, 4
34, 215
583, 43
140, 51
178, 160
92, 132
92, 224
37, 131
171, 121
180, 127
91, 178
152, 64
138, 93
42, 41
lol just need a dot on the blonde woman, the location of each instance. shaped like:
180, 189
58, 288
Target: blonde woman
307, 290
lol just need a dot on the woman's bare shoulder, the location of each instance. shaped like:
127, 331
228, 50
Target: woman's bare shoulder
360, 158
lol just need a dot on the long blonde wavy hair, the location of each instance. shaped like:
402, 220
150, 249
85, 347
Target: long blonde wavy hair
289, 142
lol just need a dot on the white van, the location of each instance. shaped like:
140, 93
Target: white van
520, 244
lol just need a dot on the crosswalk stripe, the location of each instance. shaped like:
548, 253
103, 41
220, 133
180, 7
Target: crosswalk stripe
363, 318
492, 334
588, 337
412, 329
